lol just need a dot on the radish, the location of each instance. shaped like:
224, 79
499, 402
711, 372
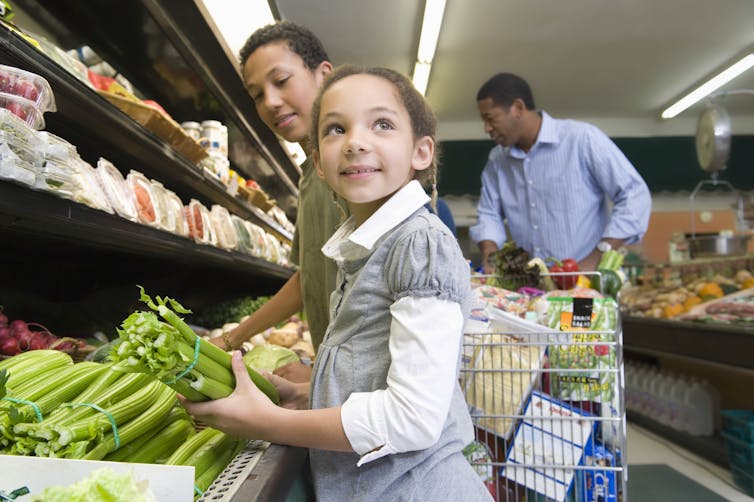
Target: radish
18, 326
38, 341
9, 346
4, 332
3, 318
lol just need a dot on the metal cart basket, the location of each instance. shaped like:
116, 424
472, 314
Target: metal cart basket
546, 396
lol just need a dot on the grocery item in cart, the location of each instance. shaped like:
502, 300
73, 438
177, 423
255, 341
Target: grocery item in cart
500, 368
114, 185
585, 348
223, 225
549, 443
147, 209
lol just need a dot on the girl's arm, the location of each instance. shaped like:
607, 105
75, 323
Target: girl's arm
249, 413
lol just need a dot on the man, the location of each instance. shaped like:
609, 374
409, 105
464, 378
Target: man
552, 182
283, 66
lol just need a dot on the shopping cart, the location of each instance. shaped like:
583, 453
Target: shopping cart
547, 400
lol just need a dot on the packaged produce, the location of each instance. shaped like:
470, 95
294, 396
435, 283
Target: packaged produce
29, 86
114, 185
166, 219
217, 166
175, 207
244, 238
13, 167
23, 109
52, 147
90, 192
13, 127
143, 193
224, 228
200, 223
72, 65
59, 178
259, 248
276, 250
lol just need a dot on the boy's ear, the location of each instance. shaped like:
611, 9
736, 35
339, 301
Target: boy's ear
324, 68
424, 152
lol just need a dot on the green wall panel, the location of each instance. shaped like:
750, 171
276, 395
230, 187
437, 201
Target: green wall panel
666, 163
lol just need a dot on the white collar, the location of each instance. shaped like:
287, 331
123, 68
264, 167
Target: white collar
349, 243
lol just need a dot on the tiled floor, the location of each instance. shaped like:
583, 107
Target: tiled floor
645, 447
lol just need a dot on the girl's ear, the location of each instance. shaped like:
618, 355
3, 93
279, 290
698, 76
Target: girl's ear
323, 69
317, 166
424, 152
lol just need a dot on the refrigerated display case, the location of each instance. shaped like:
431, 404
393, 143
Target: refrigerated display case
79, 266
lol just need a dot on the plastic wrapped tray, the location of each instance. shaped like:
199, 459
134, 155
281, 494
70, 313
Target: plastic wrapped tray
200, 223
59, 178
23, 109
144, 199
175, 206
52, 147
224, 228
27, 85
14, 168
114, 186
166, 219
90, 193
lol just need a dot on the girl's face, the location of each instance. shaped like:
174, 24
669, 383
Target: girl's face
367, 150
283, 88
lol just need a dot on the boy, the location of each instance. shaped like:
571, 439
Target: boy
283, 67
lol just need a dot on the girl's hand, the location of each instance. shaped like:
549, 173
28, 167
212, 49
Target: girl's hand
293, 395
246, 413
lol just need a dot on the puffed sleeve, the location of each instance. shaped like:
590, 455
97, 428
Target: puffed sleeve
428, 262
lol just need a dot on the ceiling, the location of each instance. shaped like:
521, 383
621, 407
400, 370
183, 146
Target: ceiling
615, 63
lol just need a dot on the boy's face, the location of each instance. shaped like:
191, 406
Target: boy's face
283, 88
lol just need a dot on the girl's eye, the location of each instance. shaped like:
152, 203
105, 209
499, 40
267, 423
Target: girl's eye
281, 81
256, 97
383, 125
332, 129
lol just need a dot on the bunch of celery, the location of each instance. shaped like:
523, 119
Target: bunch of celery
170, 350
114, 410
209, 451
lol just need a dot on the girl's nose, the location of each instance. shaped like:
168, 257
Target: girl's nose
353, 145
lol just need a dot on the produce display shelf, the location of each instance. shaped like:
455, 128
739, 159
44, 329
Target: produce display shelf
32, 213
95, 126
229, 482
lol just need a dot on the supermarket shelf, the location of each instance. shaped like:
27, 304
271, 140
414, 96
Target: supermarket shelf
717, 343
27, 212
98, 128
709, 448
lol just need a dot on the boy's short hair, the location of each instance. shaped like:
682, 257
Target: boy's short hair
299, 39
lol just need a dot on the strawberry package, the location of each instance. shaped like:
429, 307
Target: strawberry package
26, 95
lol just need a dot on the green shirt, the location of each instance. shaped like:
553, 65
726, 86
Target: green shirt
318, 218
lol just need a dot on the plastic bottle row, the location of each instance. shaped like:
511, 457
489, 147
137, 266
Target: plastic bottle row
682, 402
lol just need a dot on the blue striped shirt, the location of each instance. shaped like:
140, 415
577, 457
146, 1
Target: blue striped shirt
572, 189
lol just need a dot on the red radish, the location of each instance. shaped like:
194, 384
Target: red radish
3, 318
4, 332
24, 339
9, 346
17, 327
37, 341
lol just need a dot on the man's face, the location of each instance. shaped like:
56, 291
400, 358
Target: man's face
283, 88
502, 125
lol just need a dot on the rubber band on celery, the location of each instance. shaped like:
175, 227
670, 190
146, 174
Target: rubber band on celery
37, 411
109, 416
190, 366
199, 493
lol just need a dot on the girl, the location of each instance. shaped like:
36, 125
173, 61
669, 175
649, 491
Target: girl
387, 419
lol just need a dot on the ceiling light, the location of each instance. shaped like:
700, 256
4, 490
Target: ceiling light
421, 76
237, 19
433, 12
709, 86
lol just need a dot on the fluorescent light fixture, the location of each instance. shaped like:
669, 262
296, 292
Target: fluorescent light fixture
709, 86
237, 19
421, 76
433, 12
